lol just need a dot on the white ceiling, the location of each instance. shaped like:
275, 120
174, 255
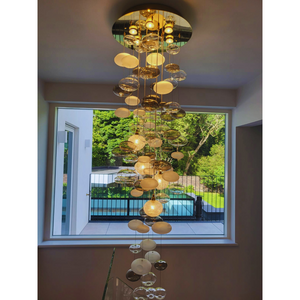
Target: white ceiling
76, 44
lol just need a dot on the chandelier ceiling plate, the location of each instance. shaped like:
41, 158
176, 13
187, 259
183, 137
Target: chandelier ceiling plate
159, 16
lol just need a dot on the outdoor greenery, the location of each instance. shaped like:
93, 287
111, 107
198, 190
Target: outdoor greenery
203, 154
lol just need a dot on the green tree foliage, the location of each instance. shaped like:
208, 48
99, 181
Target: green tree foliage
108, 132
202, 131
212, 166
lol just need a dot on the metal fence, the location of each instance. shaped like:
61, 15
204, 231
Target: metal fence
194, 198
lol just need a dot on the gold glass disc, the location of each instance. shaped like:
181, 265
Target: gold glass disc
172, 68
171, 134
161, 165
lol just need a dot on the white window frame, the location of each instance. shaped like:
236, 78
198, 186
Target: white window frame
227, 239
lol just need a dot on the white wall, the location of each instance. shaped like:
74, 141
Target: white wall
82, 120
249, 103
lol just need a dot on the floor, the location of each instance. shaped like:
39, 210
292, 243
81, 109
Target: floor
117, 228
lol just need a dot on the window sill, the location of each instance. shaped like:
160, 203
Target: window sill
125, 243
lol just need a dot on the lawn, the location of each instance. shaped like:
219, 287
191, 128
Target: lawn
214, 199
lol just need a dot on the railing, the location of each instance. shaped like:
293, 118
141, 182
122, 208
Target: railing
111, 201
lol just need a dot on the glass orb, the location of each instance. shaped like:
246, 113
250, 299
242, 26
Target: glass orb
161, 228
177, 155
166, 117
151, 292
127, 175
133, 29
176, 188
152, 41
162, 128
172, 107
139, 112
122, 112
152, 256
153, 208
173, 49
130, 158
160, 293
162, 184
131, 276
120, 93
136, 193
172, 68
171, 134
173, 81
137, 186
151, 102
163, 87
138, 141
117, 152
130, 61
179, 142
140, 167
150, 154
148, 279
151, 220
129, 84
143, 214
148, 245
160, 265
144, 159
170, 176
118, 58
155, 59
141, 24
135, 248
148, 72
129, 39
133, 224
143, 228
132, 100
149, 184
150, 171
149, 125
127, 146
161, 165
179, 76
139, 48
155, 143
141, 266
167, 149
178, 115
139, 293
162, 198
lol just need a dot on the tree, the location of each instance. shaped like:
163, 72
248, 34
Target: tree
198, 129
108, 132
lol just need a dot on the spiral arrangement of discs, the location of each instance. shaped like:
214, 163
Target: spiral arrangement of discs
150, 34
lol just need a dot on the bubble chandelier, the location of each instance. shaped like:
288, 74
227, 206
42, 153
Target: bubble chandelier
151, 36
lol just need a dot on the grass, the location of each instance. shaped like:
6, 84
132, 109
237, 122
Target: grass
214, 199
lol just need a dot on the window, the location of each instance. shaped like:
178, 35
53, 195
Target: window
87, 204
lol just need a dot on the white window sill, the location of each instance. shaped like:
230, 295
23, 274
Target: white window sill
127, 242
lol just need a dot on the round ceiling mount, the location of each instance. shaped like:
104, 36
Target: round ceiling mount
153, 19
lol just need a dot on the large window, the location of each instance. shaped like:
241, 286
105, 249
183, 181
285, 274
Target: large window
88, 201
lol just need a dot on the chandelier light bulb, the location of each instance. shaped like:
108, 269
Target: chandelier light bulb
168, 29
140, 167
169, 39
150, 24
133, 29
153, 208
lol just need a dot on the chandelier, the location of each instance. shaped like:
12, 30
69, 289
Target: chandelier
151, 37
